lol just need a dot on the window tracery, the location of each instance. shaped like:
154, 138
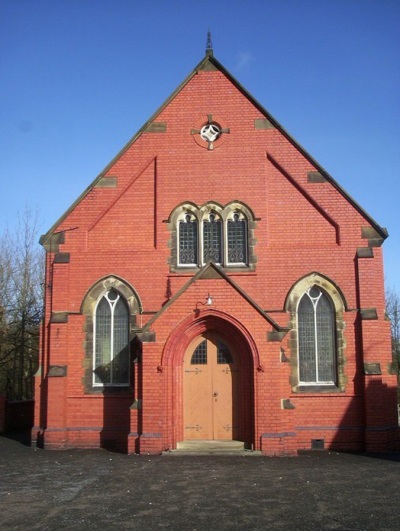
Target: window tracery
212, 233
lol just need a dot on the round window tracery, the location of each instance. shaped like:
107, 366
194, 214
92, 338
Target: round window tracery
210, 132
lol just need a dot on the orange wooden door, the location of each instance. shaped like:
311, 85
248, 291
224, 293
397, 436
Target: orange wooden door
211, 376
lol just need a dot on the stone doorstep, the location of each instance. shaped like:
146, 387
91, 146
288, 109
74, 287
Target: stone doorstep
211, 447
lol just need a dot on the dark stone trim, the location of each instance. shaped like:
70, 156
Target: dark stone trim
62, 258
59, 317
365, 252
372, 368
283, 357
156, 127
136, 404
375, 242
57, 371
146, 337
263, 123
207, 66
369, 314
278, 435
107, 182
287, 404
325, 389
316, 177
276, 335
53, 243
372, 235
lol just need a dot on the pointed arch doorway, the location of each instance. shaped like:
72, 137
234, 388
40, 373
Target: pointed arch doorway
212, 380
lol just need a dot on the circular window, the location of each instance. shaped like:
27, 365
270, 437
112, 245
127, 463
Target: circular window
210, 132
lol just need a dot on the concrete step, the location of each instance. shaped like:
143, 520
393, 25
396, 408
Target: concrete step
211, 447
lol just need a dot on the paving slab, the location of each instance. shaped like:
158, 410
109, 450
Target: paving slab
95, 489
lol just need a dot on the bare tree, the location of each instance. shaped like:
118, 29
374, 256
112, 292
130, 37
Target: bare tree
21, 304
393, 313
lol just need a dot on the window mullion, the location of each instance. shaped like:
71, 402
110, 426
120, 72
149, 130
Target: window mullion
224, 242
316, 342
112, 343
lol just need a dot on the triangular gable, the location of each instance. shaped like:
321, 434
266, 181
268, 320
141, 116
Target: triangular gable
209, 63
212, 271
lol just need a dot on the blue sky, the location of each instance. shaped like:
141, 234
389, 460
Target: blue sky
79, 77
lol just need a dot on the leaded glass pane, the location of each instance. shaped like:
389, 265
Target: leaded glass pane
212, 240
223, 354
306, 338
199, 356
188, 241
103, 343
237, 241
316, 336
120, 362
325, 340
111, 356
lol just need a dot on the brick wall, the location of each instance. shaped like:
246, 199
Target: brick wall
302, 225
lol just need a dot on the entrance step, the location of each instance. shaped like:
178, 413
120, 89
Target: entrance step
206, 447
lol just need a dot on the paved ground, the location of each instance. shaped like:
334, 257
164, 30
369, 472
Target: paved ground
93, 490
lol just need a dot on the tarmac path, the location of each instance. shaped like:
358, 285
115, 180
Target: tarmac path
98, 490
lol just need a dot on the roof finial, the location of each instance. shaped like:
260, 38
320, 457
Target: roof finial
209, 47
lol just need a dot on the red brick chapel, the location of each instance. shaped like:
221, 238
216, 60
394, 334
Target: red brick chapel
215, 283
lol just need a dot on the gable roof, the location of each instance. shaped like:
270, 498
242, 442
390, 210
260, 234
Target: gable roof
209, 63
212, 271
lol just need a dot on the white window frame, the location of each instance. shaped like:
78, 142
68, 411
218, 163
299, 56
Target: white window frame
180, 219
112, 305
229, 218
314, 301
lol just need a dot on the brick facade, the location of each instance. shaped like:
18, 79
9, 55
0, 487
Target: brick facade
303, 231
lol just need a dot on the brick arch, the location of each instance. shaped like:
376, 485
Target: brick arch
193, 326
209, 320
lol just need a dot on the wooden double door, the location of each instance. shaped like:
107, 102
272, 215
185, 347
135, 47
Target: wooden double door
211, 390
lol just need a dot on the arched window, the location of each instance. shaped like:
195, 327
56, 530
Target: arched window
237, 239
316, 338
212, 239
212, 233
111, 340
188, 240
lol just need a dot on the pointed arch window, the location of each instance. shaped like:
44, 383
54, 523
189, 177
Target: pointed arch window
316, 338
111, 344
